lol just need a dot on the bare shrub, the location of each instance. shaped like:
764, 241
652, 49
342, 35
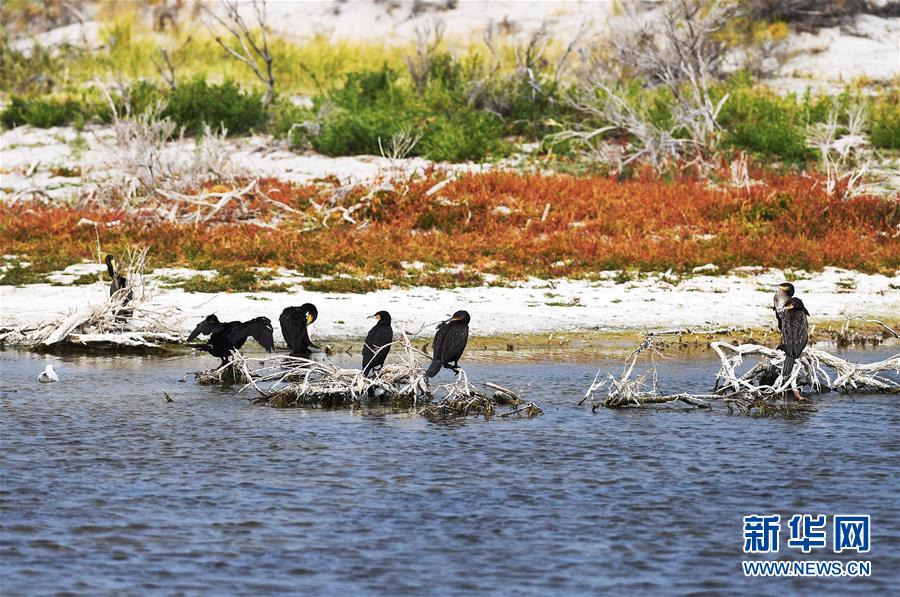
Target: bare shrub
677, 49
151, 156
845, 157
428, 39
251, 48
104, 323
400, 145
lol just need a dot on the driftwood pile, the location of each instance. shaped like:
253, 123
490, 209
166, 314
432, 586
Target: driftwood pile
296, 382
759, 390
124, 320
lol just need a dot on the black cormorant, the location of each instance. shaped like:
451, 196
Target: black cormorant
294, 321
119, 282
225, 337
784, 292
449, 343
378, 343
794, 334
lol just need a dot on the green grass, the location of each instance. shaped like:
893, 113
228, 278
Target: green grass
345, 284
884, 121
228, 280
17, 275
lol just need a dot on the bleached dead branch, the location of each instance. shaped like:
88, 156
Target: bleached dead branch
428, 39
761, 387
286, 381
252, 48
679, 50
846, 158
124, 319
350, 203
815, 368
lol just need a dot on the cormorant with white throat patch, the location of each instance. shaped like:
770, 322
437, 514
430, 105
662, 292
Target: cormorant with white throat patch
794, 334
783, 294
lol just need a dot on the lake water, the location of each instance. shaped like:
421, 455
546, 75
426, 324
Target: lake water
107, 488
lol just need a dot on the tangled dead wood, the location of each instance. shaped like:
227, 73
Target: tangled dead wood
124, 319
156, 174
286, 382
760, 389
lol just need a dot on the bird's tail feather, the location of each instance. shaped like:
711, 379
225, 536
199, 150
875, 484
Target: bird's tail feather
788, 368
433, 368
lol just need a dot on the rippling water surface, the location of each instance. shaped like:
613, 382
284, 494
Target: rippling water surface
106, 487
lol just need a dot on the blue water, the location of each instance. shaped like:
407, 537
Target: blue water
107, 488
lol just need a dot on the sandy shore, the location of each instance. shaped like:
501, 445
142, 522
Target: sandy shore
742, 299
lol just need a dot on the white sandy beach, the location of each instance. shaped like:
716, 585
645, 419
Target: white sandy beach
740, 299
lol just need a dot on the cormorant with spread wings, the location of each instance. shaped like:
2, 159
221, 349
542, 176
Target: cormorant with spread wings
224, 337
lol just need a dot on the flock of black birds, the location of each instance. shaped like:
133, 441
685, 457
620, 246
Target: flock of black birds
450, 339
224, 337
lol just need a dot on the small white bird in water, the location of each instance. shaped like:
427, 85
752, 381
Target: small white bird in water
49, 375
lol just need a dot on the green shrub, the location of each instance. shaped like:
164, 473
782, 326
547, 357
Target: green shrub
284, 115
370, 105
197, 103
32, 72
39, 112
884, 121
17, 275
766, 125
376, 105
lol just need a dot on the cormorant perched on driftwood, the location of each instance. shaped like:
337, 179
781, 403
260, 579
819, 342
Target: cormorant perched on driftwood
229, 336
119, 283
378, 342
294, 321
449, 343
783, 294
794, 334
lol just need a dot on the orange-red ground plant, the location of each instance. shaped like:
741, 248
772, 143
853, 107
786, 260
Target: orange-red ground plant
505, 223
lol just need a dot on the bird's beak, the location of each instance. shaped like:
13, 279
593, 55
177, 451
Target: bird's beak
789, 307
376, 316
309, 319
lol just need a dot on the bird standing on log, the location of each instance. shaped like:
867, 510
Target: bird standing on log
378, 343
224, 337
294, 322
783, 294
794, 334
119, 283
449, 343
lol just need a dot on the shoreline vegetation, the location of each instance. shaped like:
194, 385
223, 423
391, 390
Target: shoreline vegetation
508, 154
472, 229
